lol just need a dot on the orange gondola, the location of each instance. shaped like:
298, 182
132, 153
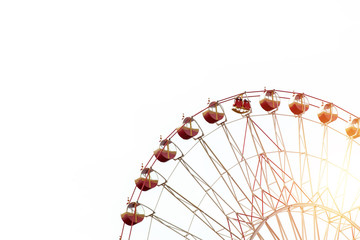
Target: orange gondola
134, 214
298, 104
328, 113
147, 180
241, 105
213, 114
187, 131
166, 151
269, 100
353, 129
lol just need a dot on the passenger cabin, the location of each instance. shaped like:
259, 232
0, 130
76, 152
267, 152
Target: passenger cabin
353, 129
298, 104
134, 214
148, 179
166, 151
328, 113
270, 100
241, 105
188, 130
214, 113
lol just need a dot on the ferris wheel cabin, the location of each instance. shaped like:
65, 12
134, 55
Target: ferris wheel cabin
166, 151
353, 129
188, 131
213, 114
269, 100
298, 104
134, 214
328, 113
241, 105
148, 179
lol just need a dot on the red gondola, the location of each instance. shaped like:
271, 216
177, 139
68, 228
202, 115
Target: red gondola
166, 151
147, 180
269, 100
241, 105
213, 114
134, 214
298, 104
187, 131
328, 113
353, 129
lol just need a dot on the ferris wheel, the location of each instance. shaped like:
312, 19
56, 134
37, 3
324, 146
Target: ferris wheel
266, 164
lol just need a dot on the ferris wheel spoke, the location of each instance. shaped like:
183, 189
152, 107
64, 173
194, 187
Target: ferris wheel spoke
294, 226
256, 126
306, 165
324, 166
342, 183
282, 230
175, 228
207, 219
285, 193
354, 215
239, 154
286, 170
257, 143
218, 165
272, 232
303, 224
326, 234
215, 197
252, 180
280, 141
338, 229
247, 204
267, 169
286, 187
316, 225
204, 186
259, 148
356, 200
305, 168
260, 236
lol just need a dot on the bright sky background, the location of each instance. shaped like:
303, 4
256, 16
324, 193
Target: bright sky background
87, 87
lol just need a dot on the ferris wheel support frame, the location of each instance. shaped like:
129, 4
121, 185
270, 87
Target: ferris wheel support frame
261, 152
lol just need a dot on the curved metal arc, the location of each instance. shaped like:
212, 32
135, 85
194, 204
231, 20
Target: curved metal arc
237, 164
302, 205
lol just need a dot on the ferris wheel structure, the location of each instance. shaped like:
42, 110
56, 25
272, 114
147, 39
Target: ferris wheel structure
267, 164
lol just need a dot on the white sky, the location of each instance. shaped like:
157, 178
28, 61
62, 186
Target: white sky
87, 87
